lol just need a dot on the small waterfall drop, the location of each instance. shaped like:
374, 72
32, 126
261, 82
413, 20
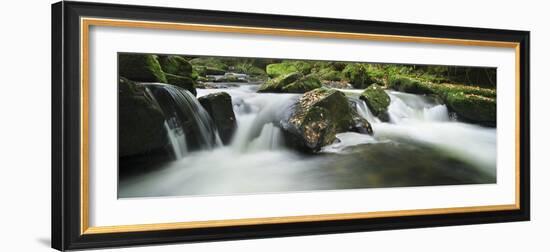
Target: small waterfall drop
188, 125
410, 107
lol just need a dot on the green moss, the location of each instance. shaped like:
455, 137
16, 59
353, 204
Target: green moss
182, 81
319, 115
409, 85
176, 65
470, 103
377, 100
286, 67
140, 67
302, 85
473, 108
277, 84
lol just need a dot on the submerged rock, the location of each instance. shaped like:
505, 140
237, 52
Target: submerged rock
318, 116
140, 67
294, 82
377, 100
220, 109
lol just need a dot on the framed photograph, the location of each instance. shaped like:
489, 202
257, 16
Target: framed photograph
181, 125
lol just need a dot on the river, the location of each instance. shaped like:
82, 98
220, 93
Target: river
419, 146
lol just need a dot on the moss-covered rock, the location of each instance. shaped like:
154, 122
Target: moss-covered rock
327, 74
220, 108
140, 67
470, 103
294, 82
317, 117
287, 67
473, 108
175, 65
409, 85
185, 82
357, 75
302, 85
377, 100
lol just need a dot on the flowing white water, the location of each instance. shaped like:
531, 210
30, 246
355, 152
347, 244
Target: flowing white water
177, 140
257, 161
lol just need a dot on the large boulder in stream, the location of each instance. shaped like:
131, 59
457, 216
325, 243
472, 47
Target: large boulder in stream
142, 138
377, 101
220, 109
318, 116
140, 67
294, 82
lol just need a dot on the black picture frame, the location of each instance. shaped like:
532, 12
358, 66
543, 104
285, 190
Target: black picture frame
66, 125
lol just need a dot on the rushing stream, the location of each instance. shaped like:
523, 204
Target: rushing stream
420, 145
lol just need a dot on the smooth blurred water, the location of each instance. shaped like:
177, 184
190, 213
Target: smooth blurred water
421, 145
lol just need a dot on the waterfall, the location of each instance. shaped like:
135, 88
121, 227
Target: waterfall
363, 109
177, 140
188, 125
410, 107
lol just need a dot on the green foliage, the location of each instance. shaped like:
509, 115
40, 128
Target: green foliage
140, 67
250, 69
210, 62
357, 75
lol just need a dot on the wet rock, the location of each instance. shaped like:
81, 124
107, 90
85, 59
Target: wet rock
220, 109
141, 135
377, 100
318, 116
